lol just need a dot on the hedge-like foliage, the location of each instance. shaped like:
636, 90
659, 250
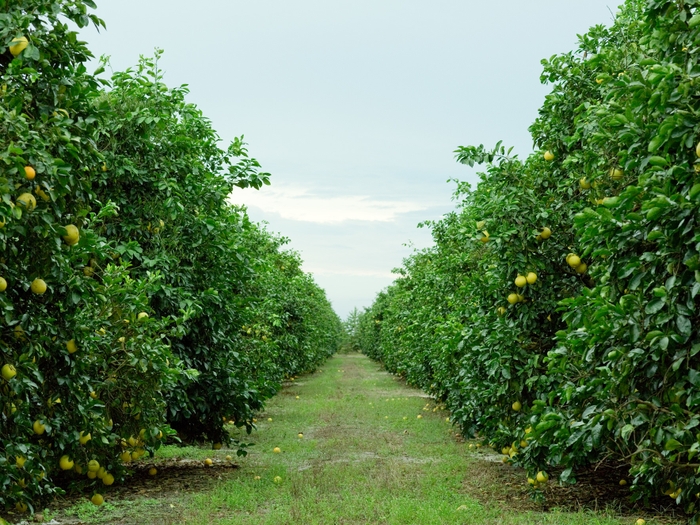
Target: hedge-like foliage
596, 360
137, 303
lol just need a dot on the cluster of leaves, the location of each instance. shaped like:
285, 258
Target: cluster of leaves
597, 363
165, 308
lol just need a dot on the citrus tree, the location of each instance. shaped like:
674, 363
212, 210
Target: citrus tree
560, 297
126, 278
72, 354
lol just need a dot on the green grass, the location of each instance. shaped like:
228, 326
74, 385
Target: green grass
365, 457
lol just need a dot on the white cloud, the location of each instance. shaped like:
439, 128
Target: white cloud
300, 204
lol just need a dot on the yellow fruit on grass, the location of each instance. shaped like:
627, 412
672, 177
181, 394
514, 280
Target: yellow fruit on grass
93, 465
217, 446
18, 45
38, 286
108, 479
419, 417
517, 406
3, 284
640, 521
520, 281
71, 346
276, 450
38, 427
584, 184
546, 233
72, 235
542, 477
269, 419
513, 298
66, 463
208, 462
8, 372
97, 499
26, 201
548, 156
300, 435
582, 268
152, 471
277, 479
531, 278
84, 438
29, 172
573, 260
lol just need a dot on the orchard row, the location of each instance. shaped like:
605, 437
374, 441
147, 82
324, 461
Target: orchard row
557, 313
137, 303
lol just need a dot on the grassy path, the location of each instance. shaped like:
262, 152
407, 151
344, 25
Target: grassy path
370, 453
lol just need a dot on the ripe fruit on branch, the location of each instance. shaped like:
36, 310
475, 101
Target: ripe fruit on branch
502, 310
513, 298
71, 346
616, 173
546, 233
8, 372
26, 201
3, 284
18, 45
542, 477
531, 278
548, 156
520, 281
38, 286
66, 463
38, 428
573, 260
517, 406
72, 235
29, 172
584, 184
581, 268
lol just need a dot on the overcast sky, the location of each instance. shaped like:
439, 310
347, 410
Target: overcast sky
354, 106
